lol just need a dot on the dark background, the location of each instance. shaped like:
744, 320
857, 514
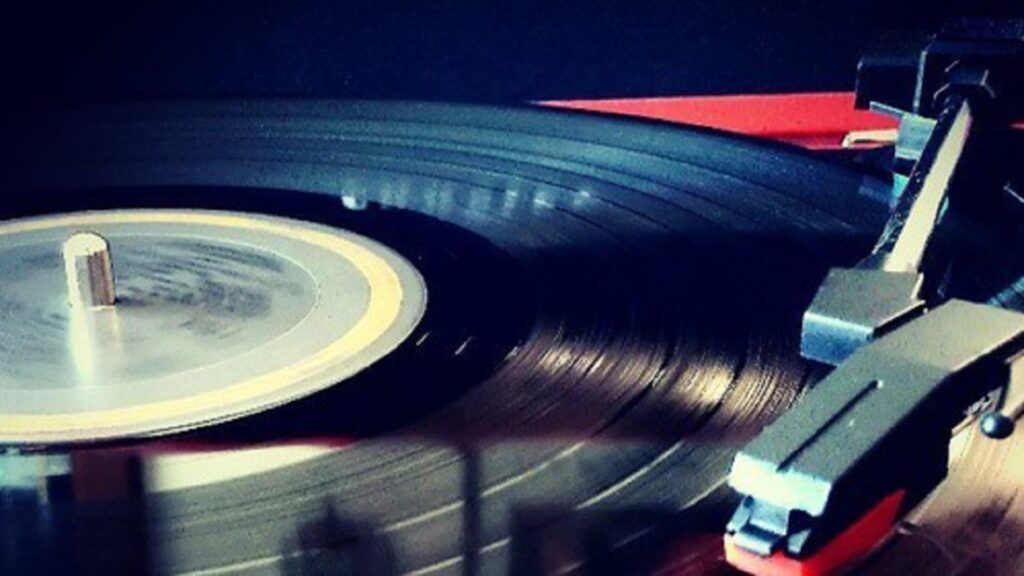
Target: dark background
483, 51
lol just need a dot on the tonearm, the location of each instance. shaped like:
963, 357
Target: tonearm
826, 481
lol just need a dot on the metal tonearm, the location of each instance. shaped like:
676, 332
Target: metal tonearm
828, 478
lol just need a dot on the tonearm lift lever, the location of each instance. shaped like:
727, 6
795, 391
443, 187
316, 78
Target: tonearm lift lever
825, 482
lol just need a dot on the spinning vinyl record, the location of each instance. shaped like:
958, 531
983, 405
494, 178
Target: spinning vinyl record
610, 306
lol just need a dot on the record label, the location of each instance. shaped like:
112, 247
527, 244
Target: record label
216, 315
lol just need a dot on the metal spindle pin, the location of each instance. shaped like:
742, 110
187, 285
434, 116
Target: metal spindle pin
89, 271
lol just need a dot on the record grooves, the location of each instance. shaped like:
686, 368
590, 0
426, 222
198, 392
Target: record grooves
606, 297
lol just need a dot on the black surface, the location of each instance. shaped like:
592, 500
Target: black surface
478, 51
655, 276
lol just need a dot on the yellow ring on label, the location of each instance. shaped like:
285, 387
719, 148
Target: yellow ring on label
385, 291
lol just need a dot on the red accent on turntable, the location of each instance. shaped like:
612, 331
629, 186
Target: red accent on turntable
848, 546
813, 120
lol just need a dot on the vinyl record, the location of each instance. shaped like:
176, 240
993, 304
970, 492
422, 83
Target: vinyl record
612, 305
